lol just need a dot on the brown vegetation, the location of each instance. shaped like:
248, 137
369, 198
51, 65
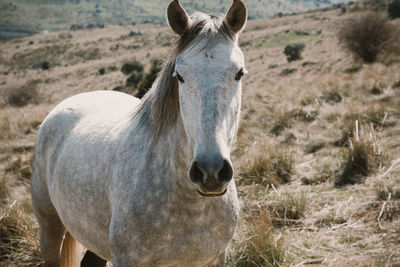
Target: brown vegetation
368, 35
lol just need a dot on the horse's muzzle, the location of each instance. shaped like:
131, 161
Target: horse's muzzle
211, 174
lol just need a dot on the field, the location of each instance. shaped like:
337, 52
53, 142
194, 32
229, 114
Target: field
317, 158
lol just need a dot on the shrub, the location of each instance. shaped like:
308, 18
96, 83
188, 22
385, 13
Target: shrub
394, 9
367, 36
134, 79
150, 77
23, 95
293, 51
132, 66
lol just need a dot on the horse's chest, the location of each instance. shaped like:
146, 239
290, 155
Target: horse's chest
179, 237
195, 242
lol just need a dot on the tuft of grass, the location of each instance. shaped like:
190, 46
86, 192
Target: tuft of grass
22, 168
324, 173
331, 97
23, 95
362, 157
329, 220
389, 191
303, 115
378, 116
282, 122
262, 247
287, 208
349, 239
19, 238
314, 147
5, 128
270, 166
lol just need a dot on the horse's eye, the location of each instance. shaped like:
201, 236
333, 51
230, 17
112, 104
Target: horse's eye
240, 74
179, 77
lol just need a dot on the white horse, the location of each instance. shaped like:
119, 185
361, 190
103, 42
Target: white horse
149, 183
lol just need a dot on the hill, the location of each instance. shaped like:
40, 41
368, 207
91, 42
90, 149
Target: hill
303, 124
60, 14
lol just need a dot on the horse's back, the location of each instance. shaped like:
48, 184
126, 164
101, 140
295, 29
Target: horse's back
74, 149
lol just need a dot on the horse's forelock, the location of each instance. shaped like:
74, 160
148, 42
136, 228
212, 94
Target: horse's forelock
160, 106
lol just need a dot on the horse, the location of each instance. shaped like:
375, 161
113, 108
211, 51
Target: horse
148, 182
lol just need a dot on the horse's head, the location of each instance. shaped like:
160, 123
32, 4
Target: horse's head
209, 70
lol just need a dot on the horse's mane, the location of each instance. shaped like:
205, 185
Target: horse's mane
159, 107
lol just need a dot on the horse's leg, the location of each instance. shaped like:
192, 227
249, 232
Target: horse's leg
51, 229
92, 260
51, 236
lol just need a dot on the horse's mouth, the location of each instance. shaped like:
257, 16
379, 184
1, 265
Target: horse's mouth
212, 194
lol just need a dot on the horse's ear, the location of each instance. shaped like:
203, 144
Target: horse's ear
178, 19
236, 17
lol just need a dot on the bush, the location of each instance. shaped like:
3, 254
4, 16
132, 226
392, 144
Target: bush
130, 67
150, 77
134, 79
293, 51
23, 95
367, 36
394, 9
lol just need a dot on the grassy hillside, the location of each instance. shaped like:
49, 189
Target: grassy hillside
317, 158
60, 14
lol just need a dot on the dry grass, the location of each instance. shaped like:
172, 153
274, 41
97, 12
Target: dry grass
287, 208
22, 95
260, 246
363, 157
19, 242
270, 165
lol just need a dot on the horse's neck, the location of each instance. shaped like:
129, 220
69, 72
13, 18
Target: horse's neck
170, 158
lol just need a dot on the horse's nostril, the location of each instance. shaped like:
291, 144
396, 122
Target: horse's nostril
226, 172
196, 175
